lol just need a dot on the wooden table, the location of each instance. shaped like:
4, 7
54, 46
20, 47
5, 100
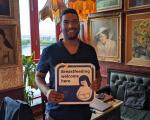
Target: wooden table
112, 113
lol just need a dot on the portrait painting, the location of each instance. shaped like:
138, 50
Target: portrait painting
105, 5
138, 4
5, 7
7, 45
105, 37
138, 39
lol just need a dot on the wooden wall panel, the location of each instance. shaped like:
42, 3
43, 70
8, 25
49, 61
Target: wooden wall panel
11, 75
15, 93
105, 66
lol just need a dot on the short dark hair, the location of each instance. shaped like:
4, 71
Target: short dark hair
68, 10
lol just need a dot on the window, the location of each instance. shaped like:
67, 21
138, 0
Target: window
46, 29
25, 27
35, 34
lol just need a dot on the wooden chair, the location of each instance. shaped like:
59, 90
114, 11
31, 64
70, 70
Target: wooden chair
44, 100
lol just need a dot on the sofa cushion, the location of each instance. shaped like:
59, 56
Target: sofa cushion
118, 80
135, 95
120, 92
134, 114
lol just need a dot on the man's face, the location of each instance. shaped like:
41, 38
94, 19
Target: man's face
70, 26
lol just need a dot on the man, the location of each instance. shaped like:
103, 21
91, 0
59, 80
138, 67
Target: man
68, 50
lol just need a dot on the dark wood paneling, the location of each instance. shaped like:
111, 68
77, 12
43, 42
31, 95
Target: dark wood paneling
105, 66
37, 110
15, 93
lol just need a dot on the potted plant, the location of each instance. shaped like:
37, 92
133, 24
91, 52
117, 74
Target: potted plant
29, 68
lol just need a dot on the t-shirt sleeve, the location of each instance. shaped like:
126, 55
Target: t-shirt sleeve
43, 65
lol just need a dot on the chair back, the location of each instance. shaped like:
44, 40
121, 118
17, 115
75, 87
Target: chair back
117, 80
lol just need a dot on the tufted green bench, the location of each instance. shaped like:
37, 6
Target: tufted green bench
116, 87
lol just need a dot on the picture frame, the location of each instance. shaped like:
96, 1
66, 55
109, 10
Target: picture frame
6, 8
137, 39
137, 4
81, 33
110, 25
9, 52
106, 5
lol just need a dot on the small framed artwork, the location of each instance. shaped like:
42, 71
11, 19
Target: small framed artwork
5, 8
8, 34
106, 5
105, 36
138, 39
137, 4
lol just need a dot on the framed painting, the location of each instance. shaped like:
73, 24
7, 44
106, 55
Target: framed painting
8, 34
138, 39
137, 4
106, 5
105, 36
5, 8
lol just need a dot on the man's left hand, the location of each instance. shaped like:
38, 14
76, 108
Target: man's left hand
96, 85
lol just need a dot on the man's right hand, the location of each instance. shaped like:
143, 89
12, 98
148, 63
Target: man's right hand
54, 96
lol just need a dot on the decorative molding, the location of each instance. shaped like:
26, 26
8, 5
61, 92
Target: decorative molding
10, 77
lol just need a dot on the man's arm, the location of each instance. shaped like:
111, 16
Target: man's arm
51, 95
40, 82
98, 75
97, 83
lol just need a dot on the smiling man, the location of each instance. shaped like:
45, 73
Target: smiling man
68, 50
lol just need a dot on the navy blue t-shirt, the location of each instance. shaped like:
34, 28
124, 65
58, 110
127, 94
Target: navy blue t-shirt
57, 53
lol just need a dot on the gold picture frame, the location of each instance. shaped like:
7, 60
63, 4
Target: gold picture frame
138, 39
9, 53
111, 24
137, 4
106, 5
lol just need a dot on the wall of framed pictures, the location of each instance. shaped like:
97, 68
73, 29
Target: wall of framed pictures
10, 48
120, 33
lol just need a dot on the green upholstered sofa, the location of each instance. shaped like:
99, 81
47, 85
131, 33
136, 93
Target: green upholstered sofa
116, 87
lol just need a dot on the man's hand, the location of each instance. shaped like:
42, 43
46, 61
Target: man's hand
54, 96
96, 85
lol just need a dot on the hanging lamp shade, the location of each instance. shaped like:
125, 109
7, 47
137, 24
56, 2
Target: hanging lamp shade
51, 9
83, 7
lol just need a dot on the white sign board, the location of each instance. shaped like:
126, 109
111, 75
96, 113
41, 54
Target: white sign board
74, 80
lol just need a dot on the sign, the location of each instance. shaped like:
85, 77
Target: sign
73, 80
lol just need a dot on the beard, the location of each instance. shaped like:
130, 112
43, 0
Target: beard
71, 36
